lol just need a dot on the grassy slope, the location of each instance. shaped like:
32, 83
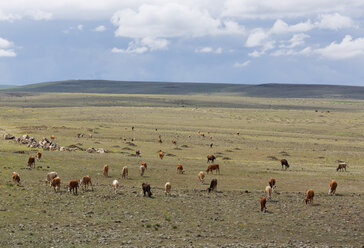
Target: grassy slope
264, 90
35, 216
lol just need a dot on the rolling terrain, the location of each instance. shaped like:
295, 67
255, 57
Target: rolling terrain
312, 134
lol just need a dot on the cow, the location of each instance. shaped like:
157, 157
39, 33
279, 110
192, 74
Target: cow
211, 145
73, 185
90, 135
16, 178
161, 155
179, 169
160, 140
211, 158
132, 128
146, 189
237, 133
85, 181
213, 185
38, 155
332, 189
31, 162
263, 201
115, 185
213, 167
141, 170
284, 163
268, 191
56, 184
106, 170
174, 142
272, 183
309, 196
125, 172
201, 176
202, 135
167, 188
144, 164
341, 167
53, 137
137, 153
50, 177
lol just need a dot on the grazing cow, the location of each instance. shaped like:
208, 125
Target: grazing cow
115, 185
53, 137
38, 155
211, 158
73, 185
146, 189
56, 184
237, 133
161, 155
341, 167
174, 142
211, 145
167, 188
268, 191
31, 161
106, 170
90, 135
213, 167
144, 164
201, 176
50, 176
272, 183
213, 185
285, 163
16, 178
263, 201
132, 128
160, 140
137, 153
333, 185
202, 135
179, 169
125, 172
141, 170
85, 181
309, 196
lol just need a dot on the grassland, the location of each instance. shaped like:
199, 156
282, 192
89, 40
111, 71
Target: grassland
312, 134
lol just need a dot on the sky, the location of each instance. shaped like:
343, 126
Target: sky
217, 41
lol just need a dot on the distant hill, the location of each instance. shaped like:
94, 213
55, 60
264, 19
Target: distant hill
4, 86
130, 87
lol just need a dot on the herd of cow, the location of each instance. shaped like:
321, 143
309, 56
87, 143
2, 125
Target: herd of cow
54, 181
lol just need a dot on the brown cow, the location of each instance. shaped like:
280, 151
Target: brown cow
174, 142
38, 155
272, 183
31, 161
179, 169
141, 170
201, 176
73, 185
309, 196
341, 167
161, 155
167, 188
56, 184
263, 201
213, 167
16, 177
106, 170
137, 153
211, 158
144, 164
85, 181
146, 189
285, 163
125, 172
90, 135
333, 185
53, 137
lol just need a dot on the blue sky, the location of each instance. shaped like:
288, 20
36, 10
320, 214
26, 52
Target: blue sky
222, 41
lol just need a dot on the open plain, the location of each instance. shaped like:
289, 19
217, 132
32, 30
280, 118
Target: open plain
312, 134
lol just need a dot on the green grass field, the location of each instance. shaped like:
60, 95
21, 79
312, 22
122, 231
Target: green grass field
312, 134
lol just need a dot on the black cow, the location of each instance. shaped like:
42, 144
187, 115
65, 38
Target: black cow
213, 185
146, 188
285, 163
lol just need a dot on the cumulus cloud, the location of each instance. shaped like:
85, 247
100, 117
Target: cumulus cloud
146, 44
347, 48
296, 40
209, 50
6, 48
335, 22
243, 64
100, 28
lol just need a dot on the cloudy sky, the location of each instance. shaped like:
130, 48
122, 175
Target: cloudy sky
227, 41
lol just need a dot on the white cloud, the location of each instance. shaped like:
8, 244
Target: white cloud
296, 40
348, 48
240, 65
280, 27
100, 28
257, 37
209, 50
39, 15
80, 27
146, 44
130, 49
5, 48
154, 43
335, 22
